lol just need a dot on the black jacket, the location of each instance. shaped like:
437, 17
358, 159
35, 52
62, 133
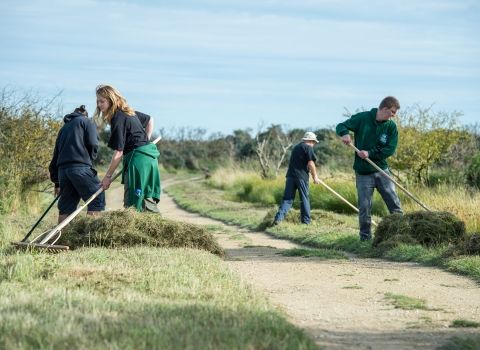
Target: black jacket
76, 145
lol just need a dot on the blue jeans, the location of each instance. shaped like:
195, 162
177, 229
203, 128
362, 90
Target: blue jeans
365, 186
76, 183
291, 186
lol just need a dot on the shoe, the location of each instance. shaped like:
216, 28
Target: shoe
365, 239
275, 223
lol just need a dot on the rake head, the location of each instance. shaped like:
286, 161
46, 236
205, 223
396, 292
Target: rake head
48, 236
52, 248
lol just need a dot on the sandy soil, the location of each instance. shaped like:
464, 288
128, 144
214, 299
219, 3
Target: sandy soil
342, 304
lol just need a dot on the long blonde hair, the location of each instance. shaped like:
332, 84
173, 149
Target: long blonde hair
117, 103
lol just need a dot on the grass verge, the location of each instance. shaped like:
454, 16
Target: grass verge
135, 298
138, 297
328, 231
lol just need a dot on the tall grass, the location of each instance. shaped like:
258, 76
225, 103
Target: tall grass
13, 199
461, 202
244, 185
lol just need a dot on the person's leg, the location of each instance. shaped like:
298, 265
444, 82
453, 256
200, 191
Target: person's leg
287, 201
69, 197
86, 182
62, 217
302, 186
386, 188
365, 186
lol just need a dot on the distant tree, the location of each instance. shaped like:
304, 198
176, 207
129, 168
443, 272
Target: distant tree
271, 149
104, 154
240, 144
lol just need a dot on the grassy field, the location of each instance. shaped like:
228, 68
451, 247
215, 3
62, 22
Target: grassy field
132, 298
329, 229
247, 186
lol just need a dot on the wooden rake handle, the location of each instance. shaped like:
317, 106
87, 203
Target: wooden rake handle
391, 179
343, 199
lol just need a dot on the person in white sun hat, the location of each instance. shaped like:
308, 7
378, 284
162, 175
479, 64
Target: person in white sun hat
302, 162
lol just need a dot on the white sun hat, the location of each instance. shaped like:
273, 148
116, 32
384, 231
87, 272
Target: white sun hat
309, 136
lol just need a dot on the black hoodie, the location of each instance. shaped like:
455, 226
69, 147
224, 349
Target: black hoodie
76, 145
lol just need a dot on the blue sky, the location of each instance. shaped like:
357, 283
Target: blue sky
226, 65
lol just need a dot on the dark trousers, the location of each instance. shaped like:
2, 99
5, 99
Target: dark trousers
291, 186
365, 187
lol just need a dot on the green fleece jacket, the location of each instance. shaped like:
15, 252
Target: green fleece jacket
143, 174
379, 140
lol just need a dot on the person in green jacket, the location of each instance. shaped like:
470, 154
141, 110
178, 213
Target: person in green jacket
376, 137
131, 132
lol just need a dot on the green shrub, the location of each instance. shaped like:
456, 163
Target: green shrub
472, 175
29, 124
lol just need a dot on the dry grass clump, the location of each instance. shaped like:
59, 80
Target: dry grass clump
127, 228
294, 217
420, 227
468, 246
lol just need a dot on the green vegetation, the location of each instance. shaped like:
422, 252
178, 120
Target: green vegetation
465, 323
425, 137
472, 174
323, 254
29, 123
353, 287
457, 343
408, 303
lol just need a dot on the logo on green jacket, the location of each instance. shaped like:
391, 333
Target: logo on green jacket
384, 138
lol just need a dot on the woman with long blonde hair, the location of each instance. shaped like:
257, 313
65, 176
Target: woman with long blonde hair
131, 131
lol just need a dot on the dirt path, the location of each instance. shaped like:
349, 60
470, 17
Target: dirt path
342, 304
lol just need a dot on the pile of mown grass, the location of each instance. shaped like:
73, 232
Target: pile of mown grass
127, 227
294, 217
430, 229
470, 245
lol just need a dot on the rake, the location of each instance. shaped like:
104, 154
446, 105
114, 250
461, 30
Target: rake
391, 179
54, 234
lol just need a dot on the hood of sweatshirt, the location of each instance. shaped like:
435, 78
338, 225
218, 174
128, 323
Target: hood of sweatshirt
70, 116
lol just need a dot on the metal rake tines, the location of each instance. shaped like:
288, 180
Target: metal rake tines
51, 247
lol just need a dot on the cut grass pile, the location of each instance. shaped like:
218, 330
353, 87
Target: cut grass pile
325, 254
470, 245
430, 229
127, 228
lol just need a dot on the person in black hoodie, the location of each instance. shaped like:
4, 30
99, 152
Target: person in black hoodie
71, 167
